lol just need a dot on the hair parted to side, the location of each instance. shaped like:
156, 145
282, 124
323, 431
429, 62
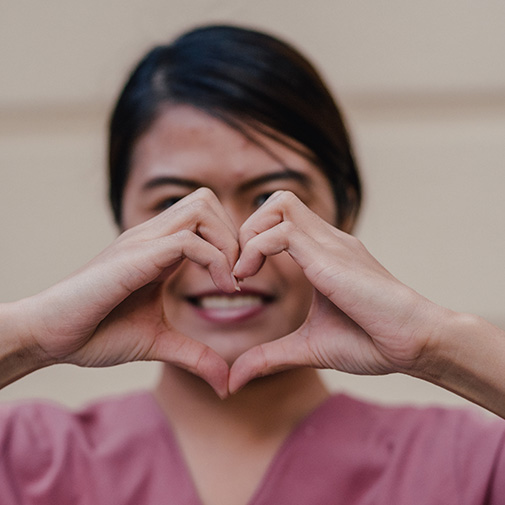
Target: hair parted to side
249, 80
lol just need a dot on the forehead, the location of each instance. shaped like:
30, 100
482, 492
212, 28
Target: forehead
186, 142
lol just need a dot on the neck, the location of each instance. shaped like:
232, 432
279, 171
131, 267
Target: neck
270, 406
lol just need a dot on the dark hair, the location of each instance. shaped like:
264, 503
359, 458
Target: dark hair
247, 79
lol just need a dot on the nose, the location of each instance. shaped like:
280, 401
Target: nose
237, 211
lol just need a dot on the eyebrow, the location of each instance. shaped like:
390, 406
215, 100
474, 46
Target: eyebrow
168, 180
285, 174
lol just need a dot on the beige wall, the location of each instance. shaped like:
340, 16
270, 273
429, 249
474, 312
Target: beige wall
423, 84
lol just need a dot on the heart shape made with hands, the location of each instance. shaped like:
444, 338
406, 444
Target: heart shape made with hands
348, 288
112, 310
348, 303
327, 338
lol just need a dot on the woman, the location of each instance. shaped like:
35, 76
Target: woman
234, 183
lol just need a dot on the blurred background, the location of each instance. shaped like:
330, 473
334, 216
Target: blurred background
423, 88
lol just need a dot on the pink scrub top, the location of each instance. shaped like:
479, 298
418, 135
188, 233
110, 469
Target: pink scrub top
122, 451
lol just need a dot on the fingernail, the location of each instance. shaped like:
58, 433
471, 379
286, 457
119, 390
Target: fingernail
235, 283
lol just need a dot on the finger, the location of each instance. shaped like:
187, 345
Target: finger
266, 359
262, 219
202, 213
118, 273
189, 245
214, 224
284, 236
218, 208
202, 200
281, 206
195, 357
269, 243
123, 338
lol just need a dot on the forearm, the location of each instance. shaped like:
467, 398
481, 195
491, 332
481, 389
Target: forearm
468, 358
17, 358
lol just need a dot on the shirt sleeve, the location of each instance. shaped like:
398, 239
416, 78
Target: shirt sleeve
34, 445
116, 450
479, 459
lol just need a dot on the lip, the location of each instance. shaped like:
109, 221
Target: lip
224, 308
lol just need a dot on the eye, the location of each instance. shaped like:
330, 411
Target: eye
262, 198
167, 202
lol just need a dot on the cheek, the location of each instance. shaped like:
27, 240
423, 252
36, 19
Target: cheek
295, 289
297, 294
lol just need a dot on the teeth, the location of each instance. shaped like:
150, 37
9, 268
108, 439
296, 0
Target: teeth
228, 302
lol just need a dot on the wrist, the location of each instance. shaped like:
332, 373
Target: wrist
18, 352
466, 356
449, 332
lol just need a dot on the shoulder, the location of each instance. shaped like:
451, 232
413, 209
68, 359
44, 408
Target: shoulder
39, 423
364, 412
433, 425
457, 449
56, 451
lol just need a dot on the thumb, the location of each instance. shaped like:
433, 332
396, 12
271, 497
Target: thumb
195, 357
285, 353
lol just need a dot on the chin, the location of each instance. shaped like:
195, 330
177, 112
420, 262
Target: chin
232, 345
230, 351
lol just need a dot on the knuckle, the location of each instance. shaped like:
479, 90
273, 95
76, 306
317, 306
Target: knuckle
204, 193
288, 198
200, 358
198, 202
287, 203
127, 235
355, 243
184, 235
288, 230
264, 361
288, 227
199, 205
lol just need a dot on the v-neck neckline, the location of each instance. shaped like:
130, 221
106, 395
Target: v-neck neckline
270, 472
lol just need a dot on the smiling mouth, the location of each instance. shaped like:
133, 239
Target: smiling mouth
229, 308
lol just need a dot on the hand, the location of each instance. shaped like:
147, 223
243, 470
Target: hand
362, 319
110, 311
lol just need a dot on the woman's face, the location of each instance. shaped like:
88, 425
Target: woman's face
186, 149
